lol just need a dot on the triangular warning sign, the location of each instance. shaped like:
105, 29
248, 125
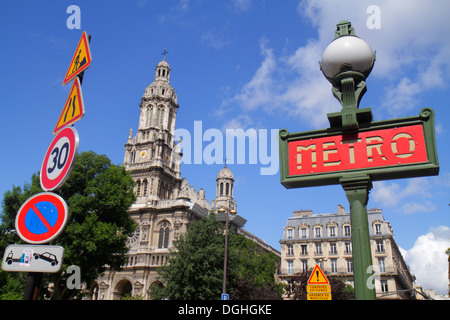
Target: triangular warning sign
73, 108
318, 277
81, 59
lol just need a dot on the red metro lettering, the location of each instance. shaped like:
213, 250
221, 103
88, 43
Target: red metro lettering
371, 149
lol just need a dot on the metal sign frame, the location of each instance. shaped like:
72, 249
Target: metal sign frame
429, 167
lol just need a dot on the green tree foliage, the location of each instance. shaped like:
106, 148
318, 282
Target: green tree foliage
98, 194
195, 269
255, 271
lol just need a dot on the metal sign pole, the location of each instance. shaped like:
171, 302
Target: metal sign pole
32, 286
357, 192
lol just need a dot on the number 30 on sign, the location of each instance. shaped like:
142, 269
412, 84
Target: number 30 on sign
59, 159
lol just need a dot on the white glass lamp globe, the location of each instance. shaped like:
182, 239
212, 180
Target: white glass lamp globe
350, 52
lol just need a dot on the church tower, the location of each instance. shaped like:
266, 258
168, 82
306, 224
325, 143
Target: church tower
224, 190
165, 203
151, 156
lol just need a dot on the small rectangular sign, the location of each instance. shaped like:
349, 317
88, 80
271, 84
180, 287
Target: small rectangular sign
318, 296
318, 288
32, 258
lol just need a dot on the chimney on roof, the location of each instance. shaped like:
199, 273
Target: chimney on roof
341, 209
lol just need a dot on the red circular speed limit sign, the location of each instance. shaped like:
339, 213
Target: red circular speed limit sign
41, 218
59, 159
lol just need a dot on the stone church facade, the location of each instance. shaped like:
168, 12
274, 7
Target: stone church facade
165, 203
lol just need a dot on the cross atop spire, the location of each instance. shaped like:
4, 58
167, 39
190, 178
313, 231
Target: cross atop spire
164, 54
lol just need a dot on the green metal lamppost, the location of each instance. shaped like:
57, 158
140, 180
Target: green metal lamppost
227, 212
355, 150
346, 63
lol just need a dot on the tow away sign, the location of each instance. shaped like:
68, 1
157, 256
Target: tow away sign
32, 258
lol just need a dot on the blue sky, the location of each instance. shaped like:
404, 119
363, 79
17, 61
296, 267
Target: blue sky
235, 64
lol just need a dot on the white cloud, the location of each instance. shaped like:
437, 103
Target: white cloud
259, 91
412, 58
393, 194
427, 259
411, 45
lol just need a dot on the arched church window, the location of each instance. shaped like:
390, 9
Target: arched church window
159, 116
227, 189
145, 184
148, 123
138, 188
169, 121
164, 233
161, 119
221, 189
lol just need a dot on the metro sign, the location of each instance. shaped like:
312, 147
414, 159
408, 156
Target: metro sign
376, 148
391, 149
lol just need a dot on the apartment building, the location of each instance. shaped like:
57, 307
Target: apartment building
325, 239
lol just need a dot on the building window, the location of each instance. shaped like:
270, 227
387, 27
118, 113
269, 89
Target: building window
381, 265
169, 121
164, 232
380, 246
378, 228
304, 235
290, 250
318, 248
333, 231
333, 249
221, 188
304, 249
304, 265
347, 231
348, 247
290, 264
289, 234
145, 184
317, 232
333, 265
384, 286
227, 189
138, 188
349, 266
149, 117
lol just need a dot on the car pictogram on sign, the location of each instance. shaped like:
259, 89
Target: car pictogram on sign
47, 256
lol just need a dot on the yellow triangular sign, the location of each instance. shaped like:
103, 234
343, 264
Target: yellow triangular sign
318, 277
81, 59
73, 108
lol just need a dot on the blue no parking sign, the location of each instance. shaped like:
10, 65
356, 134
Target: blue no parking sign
41, 218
